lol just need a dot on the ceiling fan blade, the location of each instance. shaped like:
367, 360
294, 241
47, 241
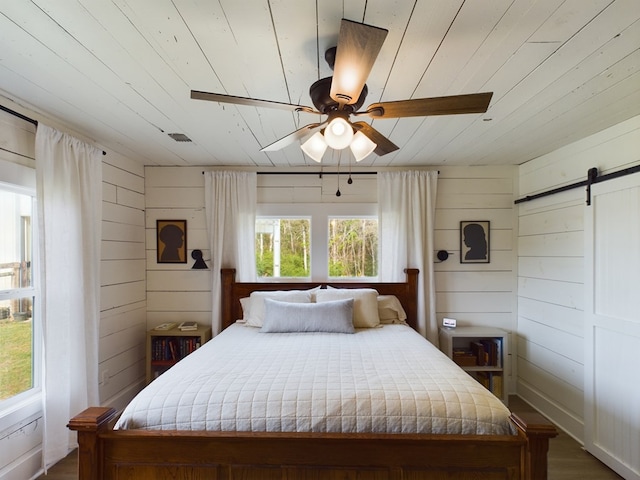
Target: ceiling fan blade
384, 145
293, 137
357, 50
251, 102
422, 107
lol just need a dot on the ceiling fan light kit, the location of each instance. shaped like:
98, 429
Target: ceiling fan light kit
342, 95
338, 133
315, 146
361, 146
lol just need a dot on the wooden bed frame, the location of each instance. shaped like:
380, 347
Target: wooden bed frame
105, 453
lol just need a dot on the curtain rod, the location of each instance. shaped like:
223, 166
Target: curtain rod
314, 173
25, 118
318, 173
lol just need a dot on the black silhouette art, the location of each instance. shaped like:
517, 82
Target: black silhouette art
171, 242
475, 238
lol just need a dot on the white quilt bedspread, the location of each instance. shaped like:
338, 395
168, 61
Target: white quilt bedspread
385, 380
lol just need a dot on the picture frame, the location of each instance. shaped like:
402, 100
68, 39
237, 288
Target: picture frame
475, 245
171, 241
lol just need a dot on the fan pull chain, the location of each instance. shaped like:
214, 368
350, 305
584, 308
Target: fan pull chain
349, 181
338, 193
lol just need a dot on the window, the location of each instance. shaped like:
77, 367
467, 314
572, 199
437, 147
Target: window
18, 331
317, 241
353, 247
283, 247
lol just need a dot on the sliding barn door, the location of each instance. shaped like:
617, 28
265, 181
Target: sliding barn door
612, 335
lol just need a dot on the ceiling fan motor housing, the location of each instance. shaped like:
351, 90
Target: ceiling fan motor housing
319, 93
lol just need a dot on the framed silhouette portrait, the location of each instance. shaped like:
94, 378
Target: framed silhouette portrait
474, 241
171, 242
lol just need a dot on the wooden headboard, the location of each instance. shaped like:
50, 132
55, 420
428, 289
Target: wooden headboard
232, 292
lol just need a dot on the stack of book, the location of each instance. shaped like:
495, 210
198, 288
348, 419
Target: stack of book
186, 326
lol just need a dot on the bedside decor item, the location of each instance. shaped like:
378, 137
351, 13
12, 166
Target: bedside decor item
171, 241
185, 326
166, 326
474, 241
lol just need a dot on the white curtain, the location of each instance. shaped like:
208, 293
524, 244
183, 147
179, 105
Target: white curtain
406, 212
230, 206
69, 196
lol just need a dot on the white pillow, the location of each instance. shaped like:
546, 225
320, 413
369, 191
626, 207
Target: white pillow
331, 317
254, 314
365, 304
390, 310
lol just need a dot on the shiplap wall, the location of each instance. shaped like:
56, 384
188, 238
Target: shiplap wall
123, 293
123, 281
551, 271
474, 294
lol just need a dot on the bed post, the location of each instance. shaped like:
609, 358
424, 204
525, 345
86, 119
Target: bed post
228, 278
411, 308
89, 424
538, 431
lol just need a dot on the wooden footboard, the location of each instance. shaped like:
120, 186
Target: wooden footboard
137, 454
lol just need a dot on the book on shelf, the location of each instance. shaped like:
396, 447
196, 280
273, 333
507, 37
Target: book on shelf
165, 326
172, 349
184, 326
477, 348
492, 381
493, 353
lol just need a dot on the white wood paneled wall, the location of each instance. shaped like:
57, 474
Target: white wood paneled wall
123, 281
123, 292
551, 271
478, 294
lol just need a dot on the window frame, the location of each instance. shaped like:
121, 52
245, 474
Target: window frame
22, 180
319, 213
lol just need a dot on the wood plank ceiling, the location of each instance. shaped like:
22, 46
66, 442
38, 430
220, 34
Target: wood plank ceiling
120, 72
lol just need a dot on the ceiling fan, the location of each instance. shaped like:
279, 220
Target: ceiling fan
340, 96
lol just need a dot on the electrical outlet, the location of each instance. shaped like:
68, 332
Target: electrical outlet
105, 377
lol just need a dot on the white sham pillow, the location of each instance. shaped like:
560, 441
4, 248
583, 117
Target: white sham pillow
253, 308
390, 310
329, 317
365, 304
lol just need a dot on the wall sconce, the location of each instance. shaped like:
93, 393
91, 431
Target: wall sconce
199, 262
442, 255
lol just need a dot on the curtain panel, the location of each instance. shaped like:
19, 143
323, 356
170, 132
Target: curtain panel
406, 215
230, 210
69, 197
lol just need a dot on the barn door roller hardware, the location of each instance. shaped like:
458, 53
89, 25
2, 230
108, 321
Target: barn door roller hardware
592, 177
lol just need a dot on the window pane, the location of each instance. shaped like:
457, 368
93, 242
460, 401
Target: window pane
16, 294
353, 247
16, 347
15, 240
283, 247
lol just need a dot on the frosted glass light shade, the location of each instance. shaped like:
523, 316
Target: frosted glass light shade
315, 146
338, 133
361, 146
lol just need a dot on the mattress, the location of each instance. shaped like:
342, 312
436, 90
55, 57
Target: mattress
384, 380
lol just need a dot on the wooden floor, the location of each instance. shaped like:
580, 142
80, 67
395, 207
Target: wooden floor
567, 459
